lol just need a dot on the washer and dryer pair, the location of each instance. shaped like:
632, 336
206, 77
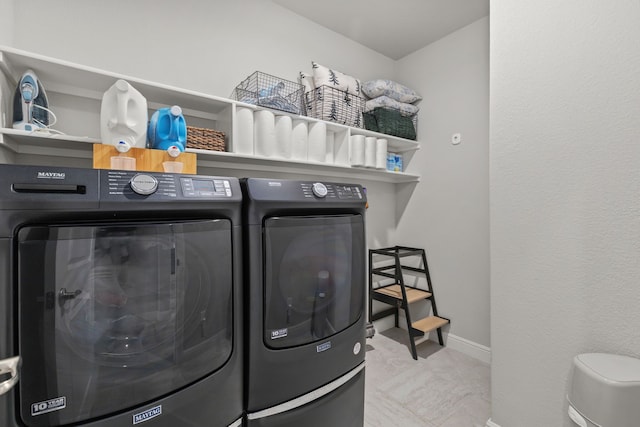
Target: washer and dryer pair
122, 300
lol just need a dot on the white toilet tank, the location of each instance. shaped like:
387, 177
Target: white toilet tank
605, 390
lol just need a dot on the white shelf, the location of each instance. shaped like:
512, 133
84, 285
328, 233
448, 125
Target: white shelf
87, 82
77, 91
217, 159
41, 144
34, 143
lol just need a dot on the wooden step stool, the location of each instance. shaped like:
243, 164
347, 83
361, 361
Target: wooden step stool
400, 296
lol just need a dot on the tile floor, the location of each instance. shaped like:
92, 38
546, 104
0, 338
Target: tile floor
443, 388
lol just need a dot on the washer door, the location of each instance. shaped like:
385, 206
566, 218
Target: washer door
113, 316
314, 277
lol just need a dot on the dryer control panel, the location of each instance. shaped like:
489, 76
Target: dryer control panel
319, 190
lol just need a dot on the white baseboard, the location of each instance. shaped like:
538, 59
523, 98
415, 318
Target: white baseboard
470, 348
491, 423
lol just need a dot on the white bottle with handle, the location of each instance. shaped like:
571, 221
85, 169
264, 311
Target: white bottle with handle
123, 116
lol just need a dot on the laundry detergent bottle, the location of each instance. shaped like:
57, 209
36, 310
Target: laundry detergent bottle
123, 116
167, 128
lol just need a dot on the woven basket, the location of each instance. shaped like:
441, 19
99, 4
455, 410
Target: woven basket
205, 139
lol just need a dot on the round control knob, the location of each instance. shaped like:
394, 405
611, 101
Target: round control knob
143, 184
319, 189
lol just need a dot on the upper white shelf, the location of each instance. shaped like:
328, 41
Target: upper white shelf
79, 90
87, 82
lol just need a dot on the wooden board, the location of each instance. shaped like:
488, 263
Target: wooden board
429, 324
146, 159
395, 292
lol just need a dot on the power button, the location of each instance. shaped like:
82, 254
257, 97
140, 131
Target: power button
319, 189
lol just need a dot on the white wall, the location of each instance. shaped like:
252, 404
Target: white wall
6, 92
6, 22
565, 197
209, 46
448, 212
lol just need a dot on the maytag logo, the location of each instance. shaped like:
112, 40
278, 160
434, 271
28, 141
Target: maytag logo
51, 175
147, 415
323, 347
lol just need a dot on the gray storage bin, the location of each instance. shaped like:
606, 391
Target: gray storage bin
605, 391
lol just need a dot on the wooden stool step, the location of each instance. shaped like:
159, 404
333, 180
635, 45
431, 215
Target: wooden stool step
429, 324
395, 291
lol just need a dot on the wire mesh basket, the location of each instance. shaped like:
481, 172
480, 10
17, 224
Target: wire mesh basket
205, 139
391, 122
270, 91
334, 105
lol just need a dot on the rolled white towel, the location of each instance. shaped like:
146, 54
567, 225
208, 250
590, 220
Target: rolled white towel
284, 135
265, 133
370, 152
317, 142
243, 137
330, 156
356, 150
381, 153
300, 140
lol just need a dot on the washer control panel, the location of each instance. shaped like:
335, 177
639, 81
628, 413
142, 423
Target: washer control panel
165, 186
319, 190
126, 183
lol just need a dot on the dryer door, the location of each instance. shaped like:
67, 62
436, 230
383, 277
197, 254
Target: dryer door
116, 315
314, 277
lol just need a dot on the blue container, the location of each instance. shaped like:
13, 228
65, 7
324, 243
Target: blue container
167, 128
399, 167
394, 162
391, 162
